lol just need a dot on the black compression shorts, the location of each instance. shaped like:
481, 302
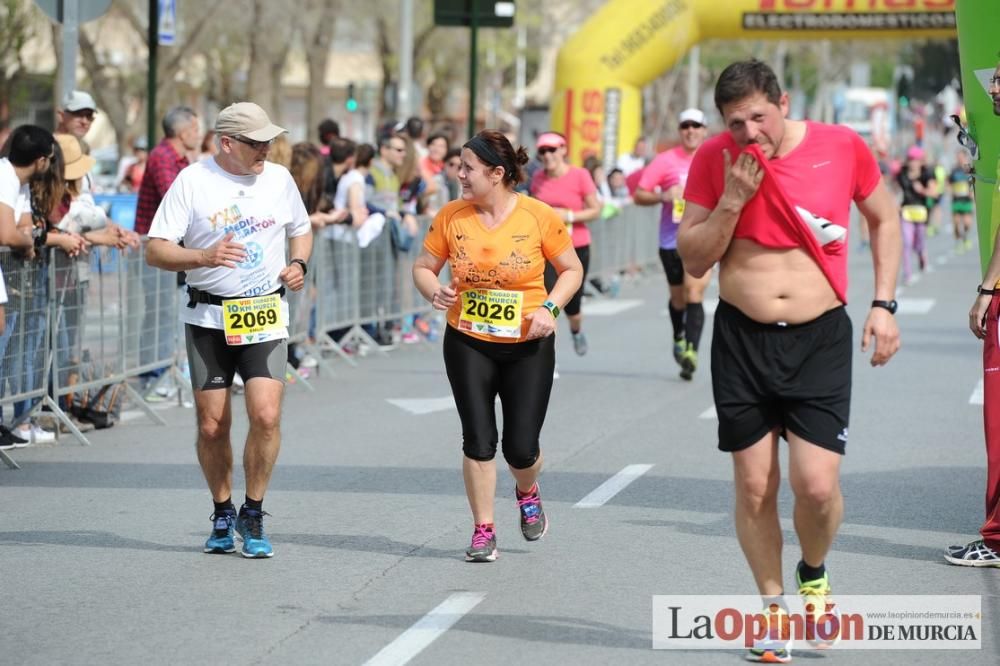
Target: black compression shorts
213, 362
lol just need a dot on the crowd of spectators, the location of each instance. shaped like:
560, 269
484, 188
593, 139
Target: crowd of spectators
354, 192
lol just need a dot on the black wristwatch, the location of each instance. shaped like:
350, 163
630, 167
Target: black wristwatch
891, 306
302, 265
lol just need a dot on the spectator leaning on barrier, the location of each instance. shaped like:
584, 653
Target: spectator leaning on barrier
234, 214
27, 372
307, 172
27, 153
78, 214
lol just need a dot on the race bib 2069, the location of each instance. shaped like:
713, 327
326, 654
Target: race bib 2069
252, 320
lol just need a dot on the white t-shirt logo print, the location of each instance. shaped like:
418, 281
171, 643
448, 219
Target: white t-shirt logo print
824, 230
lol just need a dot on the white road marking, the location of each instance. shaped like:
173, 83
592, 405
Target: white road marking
977, 396
612, 486
428, 629
915, 305
608, 308
421, 406
709, 413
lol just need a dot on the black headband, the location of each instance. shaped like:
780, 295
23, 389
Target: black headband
484, 151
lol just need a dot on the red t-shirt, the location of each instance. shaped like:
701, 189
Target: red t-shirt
567, 191
805, 197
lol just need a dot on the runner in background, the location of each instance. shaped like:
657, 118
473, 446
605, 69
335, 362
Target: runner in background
662, 184
960, 188
572, 194
917, 184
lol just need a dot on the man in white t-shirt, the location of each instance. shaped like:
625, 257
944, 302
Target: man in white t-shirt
31, 150
234, 213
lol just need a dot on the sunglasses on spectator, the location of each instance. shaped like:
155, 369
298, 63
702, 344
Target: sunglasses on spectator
544, 150
690, 125
254, 145
87, 114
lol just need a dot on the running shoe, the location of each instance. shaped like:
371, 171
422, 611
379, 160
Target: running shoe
483, 547
973, 554
221, 539
580, 343
816, 594
689, 362
968, 243
250, 527
10, 440
678, 350
776, 646
7, 433
534, 524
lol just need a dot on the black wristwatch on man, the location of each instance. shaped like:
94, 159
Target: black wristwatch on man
891, 306
302, 265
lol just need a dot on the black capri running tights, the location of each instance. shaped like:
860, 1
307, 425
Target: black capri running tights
520, 373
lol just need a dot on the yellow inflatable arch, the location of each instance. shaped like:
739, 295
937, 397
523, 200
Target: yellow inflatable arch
628, 43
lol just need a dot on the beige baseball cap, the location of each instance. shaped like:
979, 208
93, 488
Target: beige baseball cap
248, 120
77, 164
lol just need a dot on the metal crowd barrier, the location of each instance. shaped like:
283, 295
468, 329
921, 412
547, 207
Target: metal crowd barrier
83, 325
624, 241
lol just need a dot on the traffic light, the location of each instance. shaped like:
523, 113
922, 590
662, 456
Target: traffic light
351, 104
903, 90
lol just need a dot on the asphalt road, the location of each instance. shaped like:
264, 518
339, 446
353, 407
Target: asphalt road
100, 547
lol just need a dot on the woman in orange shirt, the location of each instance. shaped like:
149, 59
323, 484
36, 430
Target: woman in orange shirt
501, 323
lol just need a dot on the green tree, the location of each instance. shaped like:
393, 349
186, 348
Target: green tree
16, 29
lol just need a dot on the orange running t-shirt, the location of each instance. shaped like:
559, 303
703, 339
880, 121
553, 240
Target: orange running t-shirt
508, 258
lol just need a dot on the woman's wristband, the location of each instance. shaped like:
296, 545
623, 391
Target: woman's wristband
988, 292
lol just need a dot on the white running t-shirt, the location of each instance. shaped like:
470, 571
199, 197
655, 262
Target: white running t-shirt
205, 203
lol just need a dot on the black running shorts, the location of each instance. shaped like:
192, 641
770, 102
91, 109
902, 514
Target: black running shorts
672, 266
213, 362
796, 378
